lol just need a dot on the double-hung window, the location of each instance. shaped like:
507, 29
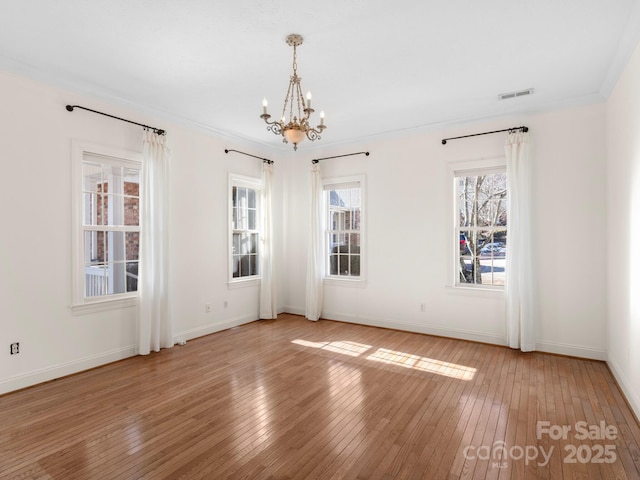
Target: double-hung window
107, 224
481, 232
344, 204
245, 214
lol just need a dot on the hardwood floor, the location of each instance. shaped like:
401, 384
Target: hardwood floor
294, 399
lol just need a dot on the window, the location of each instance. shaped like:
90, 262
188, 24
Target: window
344, 221
481, 234
107, 224
245, 227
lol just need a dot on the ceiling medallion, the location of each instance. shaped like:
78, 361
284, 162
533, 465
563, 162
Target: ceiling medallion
297, 127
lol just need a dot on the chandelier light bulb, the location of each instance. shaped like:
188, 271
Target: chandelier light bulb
264, 105
308, 99
321, 117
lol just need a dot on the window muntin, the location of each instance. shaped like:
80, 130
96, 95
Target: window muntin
481, 234
245, 228
344, 229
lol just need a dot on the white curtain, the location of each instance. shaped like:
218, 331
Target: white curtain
155, 327
315, 261
267, 280
519, 275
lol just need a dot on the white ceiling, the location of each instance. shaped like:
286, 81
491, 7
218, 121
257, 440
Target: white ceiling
373, 66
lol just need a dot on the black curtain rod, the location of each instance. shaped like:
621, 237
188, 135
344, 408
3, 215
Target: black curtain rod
316, 160
159, 131
265, 160
510, 130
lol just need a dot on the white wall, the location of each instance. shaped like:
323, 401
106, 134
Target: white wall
407, 190
35, 251
409, 229
623, 209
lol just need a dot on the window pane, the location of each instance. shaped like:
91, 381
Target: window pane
236, 266
333, 264
251, 198
242, 197
253, 265
355, 265
355, 197
101, 209
117, 273
95, 280
95, 247
91, 176
252, 220
354, 243
132, 276
131, 211
132, 245
254, 243
343, 264
236, 243
244, 265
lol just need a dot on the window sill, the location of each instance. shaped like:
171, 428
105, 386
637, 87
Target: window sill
345, 282
104, 305
481, 291
250, 282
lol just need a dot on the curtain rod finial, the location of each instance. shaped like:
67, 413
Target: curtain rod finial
69, 108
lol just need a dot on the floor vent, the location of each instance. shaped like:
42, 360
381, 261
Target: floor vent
521, 93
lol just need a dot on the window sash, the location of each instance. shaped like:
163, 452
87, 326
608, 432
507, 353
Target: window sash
106, 236
484, 267
343, 233
244, 228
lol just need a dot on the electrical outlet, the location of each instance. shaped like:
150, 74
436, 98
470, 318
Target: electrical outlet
15, 348
207, 308
423, 307
226, 304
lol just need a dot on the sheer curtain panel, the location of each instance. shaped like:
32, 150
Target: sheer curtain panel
315, 261
519, 284
267, 280
155, 327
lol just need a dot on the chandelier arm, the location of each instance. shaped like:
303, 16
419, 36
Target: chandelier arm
275, 127
313, 134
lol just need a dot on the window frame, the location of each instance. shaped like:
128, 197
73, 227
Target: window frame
257, 184
80, 304
455, 170
345, 181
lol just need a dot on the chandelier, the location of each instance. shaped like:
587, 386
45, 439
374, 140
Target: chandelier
297, 127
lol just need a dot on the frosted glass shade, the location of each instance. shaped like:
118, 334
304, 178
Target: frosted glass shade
293, 135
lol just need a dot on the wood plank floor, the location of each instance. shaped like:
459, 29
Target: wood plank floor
293, 399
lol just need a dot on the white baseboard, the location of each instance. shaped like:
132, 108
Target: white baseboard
63, 369
293, 310
417, 328
631, 396
572, 350
212, 328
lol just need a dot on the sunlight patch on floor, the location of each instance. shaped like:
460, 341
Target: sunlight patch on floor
392, 357
424, 364
352, 349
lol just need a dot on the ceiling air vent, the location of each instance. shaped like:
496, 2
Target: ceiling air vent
521, 93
